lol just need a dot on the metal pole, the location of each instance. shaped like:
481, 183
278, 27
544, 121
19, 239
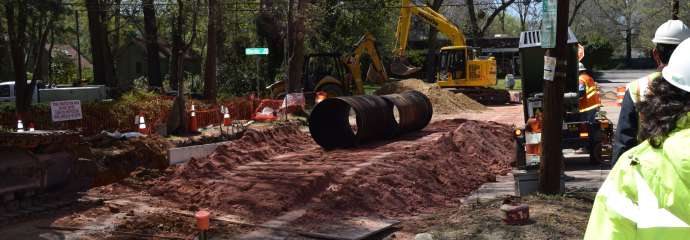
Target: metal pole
76, 18
550, 171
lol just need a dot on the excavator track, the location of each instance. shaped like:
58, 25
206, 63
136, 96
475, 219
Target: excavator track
486, 96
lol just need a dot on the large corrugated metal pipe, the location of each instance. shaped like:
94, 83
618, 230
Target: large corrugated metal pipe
345, 122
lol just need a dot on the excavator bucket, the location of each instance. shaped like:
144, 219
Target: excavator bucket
373, 75
401, 67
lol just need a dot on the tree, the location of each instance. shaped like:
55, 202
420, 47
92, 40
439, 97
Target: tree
477, 29
295, 44
152, 50
575, 9
270, 30
526, 10
103, 65
210, 83
432, 44
625, 17
18, 13
177, 121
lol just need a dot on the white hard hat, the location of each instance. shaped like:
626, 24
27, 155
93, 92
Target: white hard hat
677, 72
671, 32
581, 67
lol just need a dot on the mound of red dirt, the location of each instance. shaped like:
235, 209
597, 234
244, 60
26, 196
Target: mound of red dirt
265, 174
424, 176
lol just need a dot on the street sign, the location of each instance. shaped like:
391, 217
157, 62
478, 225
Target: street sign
548, 27
255, 51
65, 110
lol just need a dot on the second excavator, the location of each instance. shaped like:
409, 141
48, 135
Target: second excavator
459, 66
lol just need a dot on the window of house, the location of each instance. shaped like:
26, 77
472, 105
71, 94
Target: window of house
5, 91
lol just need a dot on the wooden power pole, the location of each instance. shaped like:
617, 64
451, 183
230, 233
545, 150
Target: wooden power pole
551, 164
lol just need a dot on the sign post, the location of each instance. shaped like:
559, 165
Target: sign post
257, 52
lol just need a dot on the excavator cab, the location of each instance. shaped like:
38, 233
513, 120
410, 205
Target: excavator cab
462, 66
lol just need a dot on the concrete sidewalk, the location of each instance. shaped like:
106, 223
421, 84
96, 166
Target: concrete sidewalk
586, 177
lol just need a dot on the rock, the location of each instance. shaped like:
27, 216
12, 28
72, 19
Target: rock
424, 236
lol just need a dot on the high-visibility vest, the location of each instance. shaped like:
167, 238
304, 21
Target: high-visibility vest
591, 99
639, 88
647, 193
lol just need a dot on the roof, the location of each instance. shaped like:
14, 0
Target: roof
533, 38
71, 52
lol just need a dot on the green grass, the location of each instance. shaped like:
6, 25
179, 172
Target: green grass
501, 84
370, 88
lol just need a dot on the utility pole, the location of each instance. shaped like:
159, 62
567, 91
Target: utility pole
552, 162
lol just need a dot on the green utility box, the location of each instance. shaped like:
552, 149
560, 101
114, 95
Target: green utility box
532, 65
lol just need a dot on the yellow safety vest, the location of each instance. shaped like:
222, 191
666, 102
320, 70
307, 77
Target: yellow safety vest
638, 88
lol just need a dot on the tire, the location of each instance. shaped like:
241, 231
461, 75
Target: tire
595, 153
332, 90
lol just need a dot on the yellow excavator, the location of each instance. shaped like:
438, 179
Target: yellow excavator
336, 74
459, 66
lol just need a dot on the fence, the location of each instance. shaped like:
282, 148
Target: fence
99, 117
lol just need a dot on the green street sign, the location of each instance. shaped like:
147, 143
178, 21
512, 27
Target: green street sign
548, 27
256, 51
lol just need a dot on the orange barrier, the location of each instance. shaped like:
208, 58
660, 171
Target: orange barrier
620, 94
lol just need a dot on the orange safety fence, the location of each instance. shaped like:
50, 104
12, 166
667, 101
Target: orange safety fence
98, 117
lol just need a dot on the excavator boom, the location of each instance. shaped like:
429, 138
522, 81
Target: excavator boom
377, 72
433, 18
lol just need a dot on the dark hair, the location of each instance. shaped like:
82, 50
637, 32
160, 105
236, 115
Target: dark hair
665, 51
665, 104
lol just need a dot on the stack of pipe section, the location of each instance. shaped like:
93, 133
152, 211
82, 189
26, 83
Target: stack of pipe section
332, 124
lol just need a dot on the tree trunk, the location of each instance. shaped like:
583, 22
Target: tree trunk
210, 84
152, 51
628, 44
100, 49
432, 43
16, 29
475, 30
674, 9
268, 28
474, 25
296, 38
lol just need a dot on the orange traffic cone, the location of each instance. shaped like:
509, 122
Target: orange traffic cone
226, 116
620, 94
20, 125
142, 124
193, 121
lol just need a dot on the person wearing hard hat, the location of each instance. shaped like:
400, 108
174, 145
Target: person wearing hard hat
666, 39
589, 104
646, 194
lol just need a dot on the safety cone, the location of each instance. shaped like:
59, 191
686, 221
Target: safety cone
193, 121
31, 127
226, 116
142, 124
20, 126
620, 94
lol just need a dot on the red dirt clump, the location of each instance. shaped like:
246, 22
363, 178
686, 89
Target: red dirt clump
432, 174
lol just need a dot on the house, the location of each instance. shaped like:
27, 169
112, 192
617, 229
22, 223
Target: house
7, 70
131, 60
504, 50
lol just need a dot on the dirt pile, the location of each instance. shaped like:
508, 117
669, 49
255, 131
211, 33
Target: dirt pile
425, 176
216, 182
265, 174
116, 159
443, 100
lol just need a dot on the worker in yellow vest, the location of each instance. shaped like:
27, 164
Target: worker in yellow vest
589, 105
646, 194
666, 39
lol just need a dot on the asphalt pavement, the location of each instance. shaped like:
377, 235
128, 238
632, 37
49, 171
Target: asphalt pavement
609, 80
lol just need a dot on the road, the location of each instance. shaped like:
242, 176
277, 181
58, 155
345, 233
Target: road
609, 80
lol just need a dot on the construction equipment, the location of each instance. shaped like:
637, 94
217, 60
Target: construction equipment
336, 74
575, 131
459, 66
